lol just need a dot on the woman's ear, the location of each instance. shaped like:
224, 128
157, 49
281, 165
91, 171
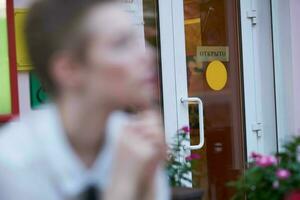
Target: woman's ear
66, 72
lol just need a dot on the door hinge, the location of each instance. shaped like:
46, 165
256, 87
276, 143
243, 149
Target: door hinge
258, 128
252, 15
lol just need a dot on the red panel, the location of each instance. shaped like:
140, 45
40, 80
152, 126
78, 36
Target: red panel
12, 63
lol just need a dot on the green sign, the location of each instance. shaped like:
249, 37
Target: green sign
5, 93
37, 92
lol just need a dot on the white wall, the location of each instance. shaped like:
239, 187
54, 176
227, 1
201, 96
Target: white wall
295, 33
24, 93
23, 77
286, 31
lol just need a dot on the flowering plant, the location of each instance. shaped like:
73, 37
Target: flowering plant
272, 177
179, 166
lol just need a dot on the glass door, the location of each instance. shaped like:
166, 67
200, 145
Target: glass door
209, 90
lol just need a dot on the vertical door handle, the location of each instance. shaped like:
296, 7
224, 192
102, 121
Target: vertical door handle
196, 100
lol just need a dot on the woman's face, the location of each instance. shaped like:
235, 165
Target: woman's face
120, 71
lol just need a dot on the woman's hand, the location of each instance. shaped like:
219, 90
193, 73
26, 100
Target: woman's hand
141, 149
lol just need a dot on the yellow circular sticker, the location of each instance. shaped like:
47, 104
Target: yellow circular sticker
216, 75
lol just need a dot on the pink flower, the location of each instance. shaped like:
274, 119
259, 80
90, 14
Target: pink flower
283, 174
186, 129
266, 161
255, 155
193, 156
273, 160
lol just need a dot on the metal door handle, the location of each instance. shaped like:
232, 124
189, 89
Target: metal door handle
198, 101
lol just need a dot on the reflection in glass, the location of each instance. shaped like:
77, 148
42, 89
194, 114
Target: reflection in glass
212, 25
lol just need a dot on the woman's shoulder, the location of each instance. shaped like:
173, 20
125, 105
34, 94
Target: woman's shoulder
18, 141
15, 144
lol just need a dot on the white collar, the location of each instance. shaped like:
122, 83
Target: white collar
67, 172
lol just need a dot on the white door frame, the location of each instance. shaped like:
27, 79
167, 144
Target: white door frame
251, 106
180, 62
168, 69
258, 75
173, 59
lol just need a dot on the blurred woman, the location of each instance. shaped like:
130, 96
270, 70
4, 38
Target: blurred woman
83, 146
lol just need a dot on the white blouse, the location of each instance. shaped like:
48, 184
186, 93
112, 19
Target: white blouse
38, 163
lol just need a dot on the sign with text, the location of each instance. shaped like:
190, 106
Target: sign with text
211, 53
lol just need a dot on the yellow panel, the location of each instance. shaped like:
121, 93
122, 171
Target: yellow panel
216, 75
23, 60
